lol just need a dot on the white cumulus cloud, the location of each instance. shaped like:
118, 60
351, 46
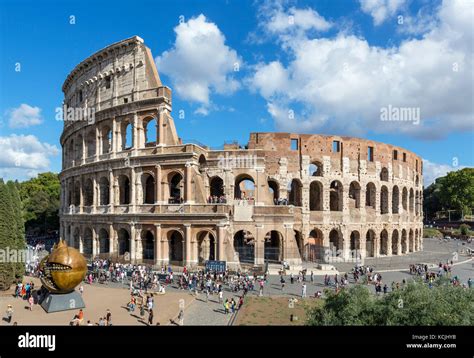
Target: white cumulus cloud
381, 10
432, 170
24, 116
24, 156
200, 63
342, 84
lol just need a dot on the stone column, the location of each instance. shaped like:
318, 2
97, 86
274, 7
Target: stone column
187, 240
95, 196
112, 240
132, 189
81, 195
158, 248
135, 141
98, 142
81, 242
259, 245
221, 232
188, 189
83, 157
389, 244
287, 238
114, 143
94, 242
158, 184
160, 123
111, 191
132, 242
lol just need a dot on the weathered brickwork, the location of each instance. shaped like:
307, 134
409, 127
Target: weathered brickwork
132, 191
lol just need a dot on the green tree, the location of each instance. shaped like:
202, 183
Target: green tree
416, 304
7, 236
458, 190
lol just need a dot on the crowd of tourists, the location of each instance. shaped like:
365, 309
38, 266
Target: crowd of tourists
214, 199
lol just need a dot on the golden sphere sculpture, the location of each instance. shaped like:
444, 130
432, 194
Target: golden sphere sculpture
63, 269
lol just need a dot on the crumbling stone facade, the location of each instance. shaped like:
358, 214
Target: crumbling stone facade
132, 191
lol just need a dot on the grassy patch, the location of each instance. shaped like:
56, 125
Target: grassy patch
274, 311
431, 232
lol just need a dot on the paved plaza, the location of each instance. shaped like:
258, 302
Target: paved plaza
202, 311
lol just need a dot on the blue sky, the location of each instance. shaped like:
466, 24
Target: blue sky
326, 66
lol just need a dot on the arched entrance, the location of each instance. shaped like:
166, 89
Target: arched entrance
384, 242
123, 242
148, 245
244, 246
175, 246
404, 241
370, 244
206, 246
104, 242
314, 249
395, 242
87, 242
273, 246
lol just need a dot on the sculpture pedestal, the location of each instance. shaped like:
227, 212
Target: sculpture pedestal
57, 302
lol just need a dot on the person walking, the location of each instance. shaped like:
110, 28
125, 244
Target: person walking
31, 301
303, 290
150, 317
9, 313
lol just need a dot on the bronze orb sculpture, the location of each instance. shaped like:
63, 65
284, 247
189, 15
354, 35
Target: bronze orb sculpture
63, 269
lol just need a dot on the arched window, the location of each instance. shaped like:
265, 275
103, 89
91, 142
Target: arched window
315, 169
370, 193
335, 196
127, 136
88, 193
405, 199
106, 140
395, 200
124, 190
216, 187
90, 144
354, 195
295, 197
244, 187
274, 190
315, 196
148, 185
151, 128
78, 149
384, 174
104, 191
412, 200
384, 200
175, 185
104, 242
384, 242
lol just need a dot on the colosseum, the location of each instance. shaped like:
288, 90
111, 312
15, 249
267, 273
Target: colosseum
133, 191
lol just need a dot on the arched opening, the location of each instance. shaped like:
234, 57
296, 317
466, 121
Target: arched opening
175, 244
355, 245
404, 241
354, 195
383, 242
71, 152
90, 144
206, 247
123, 242
384, 174
410, 241
316, 196
104, 242
405, 199
295, 197
244, 246
104, 191
148, 245
273, 247
106, 134
417, 240
315, 169
395, 242
299, 242
314, 249
77, 193
370, 244
176, 184
148, 185
417, 203
88, 193
127, 135
335, 243
335, 196
274, 190
384, 200
412, 200
78, 149
244, 187
87, 242
150, 127
370, 193
395, 200
216, 187
76, 238
124, 190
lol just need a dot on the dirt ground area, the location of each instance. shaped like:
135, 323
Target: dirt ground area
97, 299
274, 311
